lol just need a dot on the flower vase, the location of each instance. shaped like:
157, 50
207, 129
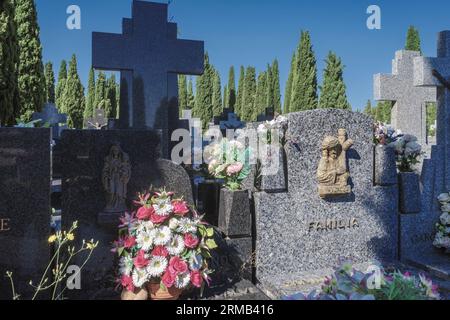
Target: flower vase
409, 184
235, 217
137, 295
385, 166
273, 177
158, 293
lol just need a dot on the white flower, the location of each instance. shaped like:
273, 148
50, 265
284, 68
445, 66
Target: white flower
157, 266
187, 225
182, 280
140, 277
126, 266
445, 207
236, 145
163, 207
145, 240
176, 246
445, 219
145, 226
162, 236
173, 223
444, 198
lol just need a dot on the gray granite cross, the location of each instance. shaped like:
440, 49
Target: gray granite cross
150, 57
98, 121
409, 111
435, 72
51, 117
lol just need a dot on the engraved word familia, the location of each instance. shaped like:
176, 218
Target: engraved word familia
333, 224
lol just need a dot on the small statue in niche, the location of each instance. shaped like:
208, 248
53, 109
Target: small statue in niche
115, 177
333, 172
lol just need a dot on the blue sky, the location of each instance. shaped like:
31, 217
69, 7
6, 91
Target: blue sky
254, 32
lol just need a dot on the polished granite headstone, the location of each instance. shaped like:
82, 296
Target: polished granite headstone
24, 207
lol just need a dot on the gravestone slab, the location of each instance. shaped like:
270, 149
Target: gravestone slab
84, 198
24, 207
299, 233
409, 111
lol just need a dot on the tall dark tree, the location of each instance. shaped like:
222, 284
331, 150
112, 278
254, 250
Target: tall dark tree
203, 108
261, 94
231, 90
226, 97
9, 57
248, 101
100, 92
368, 108
304, 90
73, 96
289, 83
333, 91
111, 96
275, 81
413, 40
240, 92
182, 93
190, 94
90, 100
62, 77
49, 83
217, 94
31, 77
269, 93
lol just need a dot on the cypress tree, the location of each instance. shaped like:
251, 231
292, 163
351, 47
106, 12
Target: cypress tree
304, 90
90, 100
117, 101
182, 93
248, 101
217, 94
269, 93
231, 90
261, 93
240, 93
368, 108
62, 77
31, 79
276, 87
100, 91
333, 91
9, 56
225, 102
73, 96
49, 83
204, 94
288, 89
190, 94
413, 40
111, 96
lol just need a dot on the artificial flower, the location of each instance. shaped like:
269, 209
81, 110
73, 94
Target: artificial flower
168, 279
157, 266
162, 236
176, 246
145, 213
127, 283
191, 241
196, 279
145, 240
182, 280
180, 207
177, 265
186, 225
160, 251
140, 261
140, 277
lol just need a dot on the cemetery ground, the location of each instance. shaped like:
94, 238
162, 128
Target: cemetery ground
320, 204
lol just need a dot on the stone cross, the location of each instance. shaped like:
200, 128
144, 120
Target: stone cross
409, 111
149, 56
98, 121
51, 117
431, 73
232, 122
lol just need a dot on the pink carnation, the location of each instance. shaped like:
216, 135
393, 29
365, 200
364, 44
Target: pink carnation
196, 279
160, 251
180, 207
190, 241
168, 279
145, 213
130, 242
157, 219
127, 283
177, 266
234, 169
140, 261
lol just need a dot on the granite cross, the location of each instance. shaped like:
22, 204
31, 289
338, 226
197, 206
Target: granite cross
51, 117
149, 56
409, 111
98, 121
435, 72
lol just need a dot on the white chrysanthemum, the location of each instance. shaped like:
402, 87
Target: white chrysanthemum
173, 223
182, 280
161, 236
145, 240
187, 225
445, 219
163, 207
126, 266
157, 266
140, 277
145, 226
176, 246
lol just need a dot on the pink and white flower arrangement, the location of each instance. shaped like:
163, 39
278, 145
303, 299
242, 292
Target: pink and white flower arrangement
165, 242
442, 239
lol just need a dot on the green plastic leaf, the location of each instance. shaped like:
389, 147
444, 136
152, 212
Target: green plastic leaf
211, 244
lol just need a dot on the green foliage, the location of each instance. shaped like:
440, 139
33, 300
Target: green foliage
111, 96
275, 88
203, 108
190, 95
182, 93
288, 90
90, 99
60, 86
261, 95
100, 90
304, 88
217, 94
333, 91
31, 79
249, 95
49, 83
9, 55
231, 90
431, 118
225, 100
73, 99
240, 93
413, 40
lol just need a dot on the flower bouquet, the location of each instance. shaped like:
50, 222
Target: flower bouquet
408, 151
442, 239
385, 135
269, 130
163, 247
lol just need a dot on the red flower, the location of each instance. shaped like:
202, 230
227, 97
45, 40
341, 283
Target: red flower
157, 219
191, 241
176, 266
145, 213
130, 242
180, 207
140, 261
196, 279
168, 279
127, 283
160, 251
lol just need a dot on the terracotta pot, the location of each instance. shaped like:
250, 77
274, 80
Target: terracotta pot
159, 294
137, 295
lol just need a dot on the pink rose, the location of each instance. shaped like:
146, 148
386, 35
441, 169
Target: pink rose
190, 241
177, 265
168, 279
180, 207
196, 279
140, 261
127, 283
160, 251
145, 213
130, 242
234, 169
157, 219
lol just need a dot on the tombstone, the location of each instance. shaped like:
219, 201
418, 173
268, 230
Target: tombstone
84, 198
418, 231
98, 122
24, 207
409, 111
301, 236
232, 122
149, 57
52, 118
268, 115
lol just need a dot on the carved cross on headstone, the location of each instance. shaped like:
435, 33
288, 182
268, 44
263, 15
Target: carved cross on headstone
149, 56
409, 111
98, 121
232, 122
52, 118
435, 72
